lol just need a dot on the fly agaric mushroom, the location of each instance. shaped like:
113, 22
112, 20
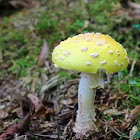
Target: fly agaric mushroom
92, 54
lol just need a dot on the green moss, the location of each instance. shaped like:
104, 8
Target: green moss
63, 73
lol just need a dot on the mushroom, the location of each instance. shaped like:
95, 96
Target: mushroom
92, 54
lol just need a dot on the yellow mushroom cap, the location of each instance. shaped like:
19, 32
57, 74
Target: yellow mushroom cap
89, 53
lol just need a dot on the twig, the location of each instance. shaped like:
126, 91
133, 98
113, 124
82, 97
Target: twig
104, 134
3, 100
120, 135
132, 67
50, 136
51, 83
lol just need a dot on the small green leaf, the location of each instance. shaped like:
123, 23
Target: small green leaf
136, 26
124, 86
137, 135
123, 134
132, 82
108, 119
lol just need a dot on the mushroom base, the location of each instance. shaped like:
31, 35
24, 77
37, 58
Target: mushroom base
85, 121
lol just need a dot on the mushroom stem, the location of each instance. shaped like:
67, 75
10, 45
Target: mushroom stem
85, 120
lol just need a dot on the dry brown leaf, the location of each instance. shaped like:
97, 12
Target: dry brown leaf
42, 112
135, 110
40, 109
3, 114
17, 127
132, 116
36, 101
18, 111
44, 54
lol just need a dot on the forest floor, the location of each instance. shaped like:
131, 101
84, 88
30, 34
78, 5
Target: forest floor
39, 101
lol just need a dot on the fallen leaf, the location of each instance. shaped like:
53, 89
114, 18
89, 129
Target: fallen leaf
132, 116
36, 101
44, 54
40, 109
17, 127
3, 114
135, 110
18, 111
